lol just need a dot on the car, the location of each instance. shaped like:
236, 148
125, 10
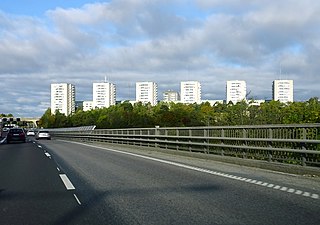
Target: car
43, 134
16, 135
30, 133
5, 129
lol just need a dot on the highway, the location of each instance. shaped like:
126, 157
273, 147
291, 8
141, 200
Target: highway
59, 182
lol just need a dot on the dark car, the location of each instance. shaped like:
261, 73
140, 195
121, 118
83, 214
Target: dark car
16, 135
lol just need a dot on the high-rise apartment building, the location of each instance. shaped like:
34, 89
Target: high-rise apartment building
190, 92
104, 95
236, 91
63, 98
171, 96
147, 92
282, 90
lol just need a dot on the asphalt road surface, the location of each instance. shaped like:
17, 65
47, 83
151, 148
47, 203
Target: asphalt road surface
58, 182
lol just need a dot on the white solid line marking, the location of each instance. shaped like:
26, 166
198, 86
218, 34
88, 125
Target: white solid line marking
77, 199
67, 182
247, 180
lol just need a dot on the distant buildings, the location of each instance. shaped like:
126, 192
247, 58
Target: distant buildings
190, 92
171, 96
87, 105
282, 90
63, 98
104, 95
236, 91
255, 102
79, 105
147, 92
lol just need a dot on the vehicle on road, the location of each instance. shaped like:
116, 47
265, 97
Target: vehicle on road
31, 133
5, 129
16, 135
43, 134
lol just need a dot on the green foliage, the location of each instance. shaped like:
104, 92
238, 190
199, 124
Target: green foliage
6, 115
47, 120
126, 115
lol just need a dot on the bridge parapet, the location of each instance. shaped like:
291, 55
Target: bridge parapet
293, 144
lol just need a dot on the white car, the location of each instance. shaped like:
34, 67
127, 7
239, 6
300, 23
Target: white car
43, 134
31, 133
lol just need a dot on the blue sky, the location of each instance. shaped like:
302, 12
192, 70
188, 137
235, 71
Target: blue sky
38, 8
165, 41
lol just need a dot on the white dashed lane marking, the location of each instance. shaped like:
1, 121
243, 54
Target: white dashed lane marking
66, 182
77, 199
229, 176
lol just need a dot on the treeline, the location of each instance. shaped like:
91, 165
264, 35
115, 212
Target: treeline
126, 115
5, 115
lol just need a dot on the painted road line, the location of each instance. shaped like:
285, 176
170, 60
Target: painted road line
39, 146
48, 155
58, 169
229, 176
315, 196
67, 182
77, 199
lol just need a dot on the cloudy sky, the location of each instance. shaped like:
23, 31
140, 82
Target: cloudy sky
165, 41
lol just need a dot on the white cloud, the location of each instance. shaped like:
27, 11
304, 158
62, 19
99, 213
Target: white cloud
134, 40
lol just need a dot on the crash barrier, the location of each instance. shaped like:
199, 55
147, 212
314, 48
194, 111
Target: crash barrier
73, 129
295, 144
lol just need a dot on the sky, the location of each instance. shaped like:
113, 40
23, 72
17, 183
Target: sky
164, 41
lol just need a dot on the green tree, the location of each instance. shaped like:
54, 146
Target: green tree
60, 120
271, 112
47, 120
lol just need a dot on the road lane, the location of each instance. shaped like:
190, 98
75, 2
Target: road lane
31, 191
117, 188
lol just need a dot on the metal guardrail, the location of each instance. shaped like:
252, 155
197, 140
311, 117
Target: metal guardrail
295, 144
73, 129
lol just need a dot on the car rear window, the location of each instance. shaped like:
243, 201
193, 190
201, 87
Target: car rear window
16, 131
